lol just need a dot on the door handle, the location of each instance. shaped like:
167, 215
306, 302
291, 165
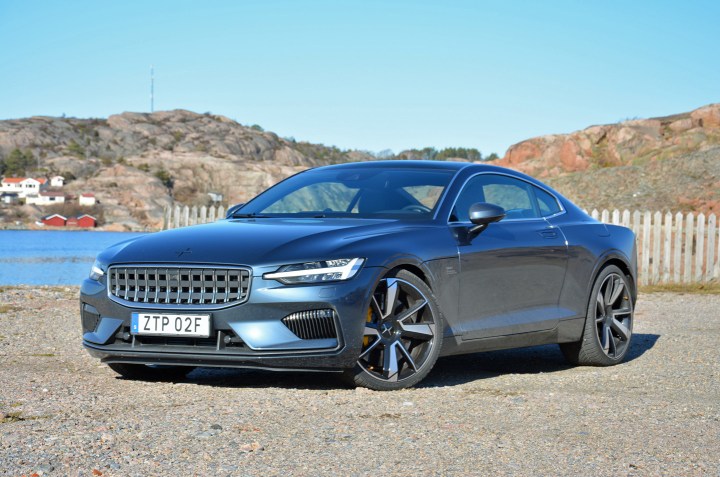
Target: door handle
548, 233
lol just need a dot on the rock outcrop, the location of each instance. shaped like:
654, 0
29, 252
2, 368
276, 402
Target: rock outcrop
627, 143
138, 163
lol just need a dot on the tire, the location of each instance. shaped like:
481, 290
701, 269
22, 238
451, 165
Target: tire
403, 335
608, 323
142, 372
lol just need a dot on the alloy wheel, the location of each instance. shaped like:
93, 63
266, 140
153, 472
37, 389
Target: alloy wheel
400, 331
613, 316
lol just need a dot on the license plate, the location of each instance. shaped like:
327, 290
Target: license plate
163, 324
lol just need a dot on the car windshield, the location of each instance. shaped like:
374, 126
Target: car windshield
353, 192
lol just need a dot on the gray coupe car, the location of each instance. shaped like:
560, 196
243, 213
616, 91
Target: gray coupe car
372, 270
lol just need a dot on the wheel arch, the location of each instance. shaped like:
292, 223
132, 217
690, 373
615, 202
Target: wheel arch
617, 259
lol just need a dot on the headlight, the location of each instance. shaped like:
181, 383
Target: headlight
97, 271
316, 272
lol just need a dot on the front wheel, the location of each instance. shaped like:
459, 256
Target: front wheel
609, 322
403, 335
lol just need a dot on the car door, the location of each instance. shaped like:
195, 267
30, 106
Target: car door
511, 274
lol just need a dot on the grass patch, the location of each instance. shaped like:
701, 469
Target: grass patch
5, 308
12, 417
694, 288
18, 417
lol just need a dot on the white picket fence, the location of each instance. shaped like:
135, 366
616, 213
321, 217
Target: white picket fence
672, 248
182, 215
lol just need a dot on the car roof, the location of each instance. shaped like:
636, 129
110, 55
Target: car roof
400, 164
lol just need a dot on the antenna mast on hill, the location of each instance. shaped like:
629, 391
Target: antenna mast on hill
152, 89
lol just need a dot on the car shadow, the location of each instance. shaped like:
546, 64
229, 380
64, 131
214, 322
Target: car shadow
448, 371
455, 370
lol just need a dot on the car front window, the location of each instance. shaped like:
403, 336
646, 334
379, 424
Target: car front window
353, 192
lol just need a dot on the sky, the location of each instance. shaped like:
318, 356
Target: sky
370, 74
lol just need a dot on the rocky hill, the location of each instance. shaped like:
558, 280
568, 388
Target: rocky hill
136, 164
667, 163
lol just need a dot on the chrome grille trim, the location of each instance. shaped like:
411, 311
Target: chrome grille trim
312, 324
172, 286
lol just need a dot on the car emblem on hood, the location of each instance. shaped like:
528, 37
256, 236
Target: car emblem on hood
180, 253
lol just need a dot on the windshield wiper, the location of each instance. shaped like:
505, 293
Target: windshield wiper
250, 216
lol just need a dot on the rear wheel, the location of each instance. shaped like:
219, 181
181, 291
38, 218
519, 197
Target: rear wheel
609, 322
403, 335
144, 372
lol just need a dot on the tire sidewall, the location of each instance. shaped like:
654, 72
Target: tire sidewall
591, 338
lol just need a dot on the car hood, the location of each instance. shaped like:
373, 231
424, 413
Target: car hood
255, 242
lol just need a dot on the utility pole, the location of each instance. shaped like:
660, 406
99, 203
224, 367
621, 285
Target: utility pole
152, 89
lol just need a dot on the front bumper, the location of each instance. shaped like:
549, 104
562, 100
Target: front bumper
250, 334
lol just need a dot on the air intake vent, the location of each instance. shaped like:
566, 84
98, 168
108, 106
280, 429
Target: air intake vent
179, 286
312, 324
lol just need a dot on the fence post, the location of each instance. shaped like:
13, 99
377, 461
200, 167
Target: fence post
193, 215
710, 263
655, 258
221, 212
605, 217
677, 262
636, 224
646, 248
688, 250
203, 215
699, 248
616, 217
185, 216
176, 217
626, 218
716, 273
667, 247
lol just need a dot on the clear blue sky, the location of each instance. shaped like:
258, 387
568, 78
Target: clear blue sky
366, 74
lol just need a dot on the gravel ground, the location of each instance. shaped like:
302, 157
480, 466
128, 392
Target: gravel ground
519, 412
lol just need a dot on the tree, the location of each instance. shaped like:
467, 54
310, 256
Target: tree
18, 163
165, 178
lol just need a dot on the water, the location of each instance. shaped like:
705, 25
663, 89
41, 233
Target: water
39, 257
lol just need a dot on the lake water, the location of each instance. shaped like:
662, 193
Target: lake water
39, 257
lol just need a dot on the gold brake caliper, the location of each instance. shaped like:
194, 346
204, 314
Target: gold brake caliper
366, 339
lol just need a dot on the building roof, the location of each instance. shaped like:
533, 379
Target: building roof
48, 217
86, 215
51, 193
17, 180
87, 194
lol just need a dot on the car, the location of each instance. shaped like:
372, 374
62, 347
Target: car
371, 270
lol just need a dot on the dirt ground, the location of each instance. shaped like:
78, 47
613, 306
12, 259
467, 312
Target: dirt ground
517, 412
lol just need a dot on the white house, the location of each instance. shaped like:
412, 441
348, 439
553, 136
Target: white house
86, 199
23, 186
57, 181
45, 198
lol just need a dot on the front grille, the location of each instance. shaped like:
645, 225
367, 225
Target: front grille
312, 324
179, 285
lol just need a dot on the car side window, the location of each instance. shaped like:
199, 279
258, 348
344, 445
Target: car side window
519, 199
547, 203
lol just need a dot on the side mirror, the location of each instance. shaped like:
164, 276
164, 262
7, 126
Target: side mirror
483, 214
232, 209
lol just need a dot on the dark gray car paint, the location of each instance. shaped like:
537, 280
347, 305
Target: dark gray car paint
517, 283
